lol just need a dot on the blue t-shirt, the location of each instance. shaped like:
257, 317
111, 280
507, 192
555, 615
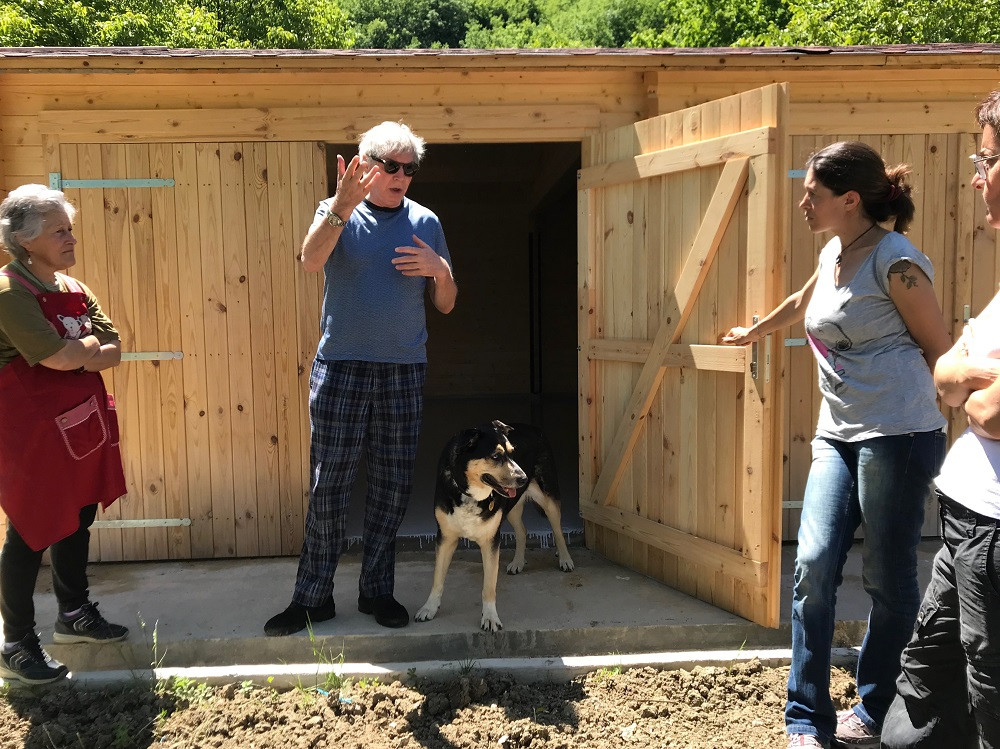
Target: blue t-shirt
371, 311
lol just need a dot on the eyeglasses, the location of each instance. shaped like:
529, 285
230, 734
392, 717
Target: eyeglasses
391, 167
982, 163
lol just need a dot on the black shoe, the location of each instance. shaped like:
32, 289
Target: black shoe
387, 610
29, 664
297, 617
88, 626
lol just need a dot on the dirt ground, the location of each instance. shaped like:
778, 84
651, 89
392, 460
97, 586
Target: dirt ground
737, 706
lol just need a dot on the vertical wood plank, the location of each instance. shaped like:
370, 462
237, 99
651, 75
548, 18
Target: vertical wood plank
121, 303
236, 275
146, 375
170, 399
283, 269
194, 364
262, 361
215, 315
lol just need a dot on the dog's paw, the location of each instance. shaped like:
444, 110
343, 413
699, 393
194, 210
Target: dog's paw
566, 565
491, 620
490, 624
426, 613
515, 566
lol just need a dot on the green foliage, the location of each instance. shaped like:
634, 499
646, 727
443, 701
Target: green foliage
409, 24
711, 23
841, 22
209, 24
401, 24
604, 23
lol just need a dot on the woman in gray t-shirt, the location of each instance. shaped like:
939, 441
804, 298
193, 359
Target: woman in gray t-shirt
875, 326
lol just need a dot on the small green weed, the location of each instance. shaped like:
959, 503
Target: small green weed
467, 666
608, 672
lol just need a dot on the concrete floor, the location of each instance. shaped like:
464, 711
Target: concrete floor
211, 613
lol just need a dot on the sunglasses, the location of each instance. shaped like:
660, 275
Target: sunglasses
982, 163
391, 167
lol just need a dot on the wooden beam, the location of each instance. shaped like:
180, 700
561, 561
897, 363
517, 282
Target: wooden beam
675, 315
873, 118
680, 158
697, 356
715, 557
343, 124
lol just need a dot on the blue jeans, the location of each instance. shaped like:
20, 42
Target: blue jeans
880, 484
948, 694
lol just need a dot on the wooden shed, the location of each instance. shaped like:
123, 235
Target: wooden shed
617, 209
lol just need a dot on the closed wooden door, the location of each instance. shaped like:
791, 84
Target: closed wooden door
216, 443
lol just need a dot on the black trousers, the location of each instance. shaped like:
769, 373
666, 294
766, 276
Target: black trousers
948, 694
19, 566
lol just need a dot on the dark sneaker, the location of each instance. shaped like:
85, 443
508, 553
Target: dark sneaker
88, 626
297, 617
387, 610
28, 663
852, 731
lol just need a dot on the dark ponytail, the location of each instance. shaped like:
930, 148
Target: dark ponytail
852, 165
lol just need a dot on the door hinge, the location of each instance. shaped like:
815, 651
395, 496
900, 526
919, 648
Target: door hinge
56, 182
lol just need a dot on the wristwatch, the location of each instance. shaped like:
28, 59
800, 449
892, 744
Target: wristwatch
334, 220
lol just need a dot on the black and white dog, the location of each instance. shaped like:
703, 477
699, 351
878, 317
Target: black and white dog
484, 475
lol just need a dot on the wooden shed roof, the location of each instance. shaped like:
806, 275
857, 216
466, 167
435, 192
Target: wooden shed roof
163, 57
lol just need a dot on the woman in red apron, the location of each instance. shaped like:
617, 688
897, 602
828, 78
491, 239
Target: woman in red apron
59, 453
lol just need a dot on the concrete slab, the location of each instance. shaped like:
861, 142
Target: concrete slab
211, 614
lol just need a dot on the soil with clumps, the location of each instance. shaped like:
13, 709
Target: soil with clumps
737, 707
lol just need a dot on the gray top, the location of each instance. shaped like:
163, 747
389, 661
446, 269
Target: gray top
872, 376
371, 311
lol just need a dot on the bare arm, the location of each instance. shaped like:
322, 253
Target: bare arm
422, 260
790, 311
73, 354
352, 186
983, 409
108, 356
913, 294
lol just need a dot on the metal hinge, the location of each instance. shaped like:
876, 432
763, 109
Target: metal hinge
151, 523
56, 182
152, 355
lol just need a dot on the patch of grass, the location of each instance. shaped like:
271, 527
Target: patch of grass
606, 673
185, 690
467, 666
332, 682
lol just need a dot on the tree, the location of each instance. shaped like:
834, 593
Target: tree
712, 23
174, 23
408, 24
840, 22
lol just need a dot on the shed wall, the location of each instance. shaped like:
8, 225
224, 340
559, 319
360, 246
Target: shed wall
920, 113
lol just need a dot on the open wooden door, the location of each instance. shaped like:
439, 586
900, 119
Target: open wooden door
680, 221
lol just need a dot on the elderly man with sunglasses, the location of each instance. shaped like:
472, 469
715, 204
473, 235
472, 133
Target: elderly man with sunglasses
380, 253
948, 693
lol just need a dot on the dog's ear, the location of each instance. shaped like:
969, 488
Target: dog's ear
501, 427
467, 440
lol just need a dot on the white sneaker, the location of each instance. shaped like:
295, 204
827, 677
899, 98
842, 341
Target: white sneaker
807, 740
852, 732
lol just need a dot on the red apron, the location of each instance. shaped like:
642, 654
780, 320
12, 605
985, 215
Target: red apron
59, 447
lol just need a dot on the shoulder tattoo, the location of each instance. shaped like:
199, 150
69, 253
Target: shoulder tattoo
902, 267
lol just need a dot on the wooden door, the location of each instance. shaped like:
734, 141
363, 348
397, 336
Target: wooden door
680, 221
215, 444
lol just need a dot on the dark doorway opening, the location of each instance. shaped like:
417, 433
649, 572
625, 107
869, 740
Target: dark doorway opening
509, 349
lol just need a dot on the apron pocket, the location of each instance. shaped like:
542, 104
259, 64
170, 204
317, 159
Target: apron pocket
82, 429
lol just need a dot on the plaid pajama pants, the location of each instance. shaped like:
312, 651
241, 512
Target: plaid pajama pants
355, 405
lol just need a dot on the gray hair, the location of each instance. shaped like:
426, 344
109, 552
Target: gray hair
22, 216
391, 137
